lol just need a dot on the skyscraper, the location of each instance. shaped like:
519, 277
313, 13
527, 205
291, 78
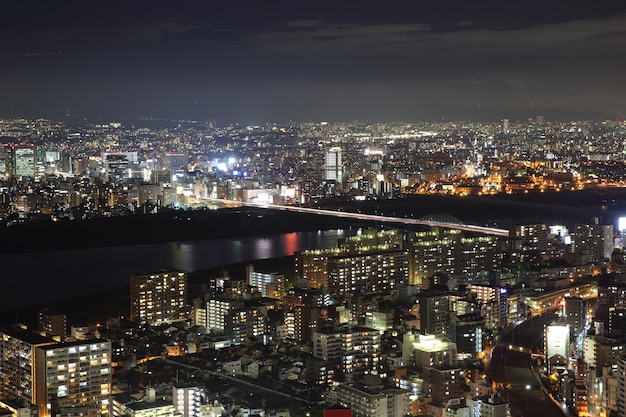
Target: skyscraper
334, 165
20, 161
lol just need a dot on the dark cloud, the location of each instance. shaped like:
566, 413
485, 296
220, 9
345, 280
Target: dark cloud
297, 59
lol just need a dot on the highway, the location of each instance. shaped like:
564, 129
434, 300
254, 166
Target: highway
366, 217
510, 368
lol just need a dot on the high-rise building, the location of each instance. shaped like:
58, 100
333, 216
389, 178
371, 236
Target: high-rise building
17, 363
448, 251
60, 379
469, 333
312, 267
443, 383
556, 341
218, 311
334, 165
433, 312
593, 242
20, 161
505, 126
74, 378
246, 323
187, 400
350, 352
499, 305
159, 297
529, 240
575, 315
369, 272
270, 284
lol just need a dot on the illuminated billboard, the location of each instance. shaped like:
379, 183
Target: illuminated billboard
557, 341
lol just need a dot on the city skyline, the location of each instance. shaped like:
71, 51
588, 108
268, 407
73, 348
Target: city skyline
249, 62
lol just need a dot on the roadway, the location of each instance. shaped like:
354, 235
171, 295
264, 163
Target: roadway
366, 217
511, 370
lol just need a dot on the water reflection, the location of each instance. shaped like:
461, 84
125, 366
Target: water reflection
183, 256
38, 278
290, 243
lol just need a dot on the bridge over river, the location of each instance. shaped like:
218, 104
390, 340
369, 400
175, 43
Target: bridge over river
446, 222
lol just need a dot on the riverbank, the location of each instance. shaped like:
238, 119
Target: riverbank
171, 226
100, 306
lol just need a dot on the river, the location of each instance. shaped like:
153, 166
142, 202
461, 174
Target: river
29, 279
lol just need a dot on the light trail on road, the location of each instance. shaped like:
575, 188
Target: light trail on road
367, 217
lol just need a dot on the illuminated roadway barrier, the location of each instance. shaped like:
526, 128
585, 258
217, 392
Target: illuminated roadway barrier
367, 217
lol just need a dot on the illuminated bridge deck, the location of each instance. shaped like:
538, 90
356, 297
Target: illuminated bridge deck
368, 217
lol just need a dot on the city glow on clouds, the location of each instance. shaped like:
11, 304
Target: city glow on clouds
243, 62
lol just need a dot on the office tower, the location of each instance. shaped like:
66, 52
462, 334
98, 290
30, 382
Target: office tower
17, 363
593, 242
159, 297
433, 313
442, 383
270, 284
54, 324
187, 400
449, 252
351, 353
334, 165
74, 379
20, 161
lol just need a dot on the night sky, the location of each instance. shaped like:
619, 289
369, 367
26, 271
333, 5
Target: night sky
256, 61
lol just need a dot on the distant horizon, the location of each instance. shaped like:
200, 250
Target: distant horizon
490, 116
249, 62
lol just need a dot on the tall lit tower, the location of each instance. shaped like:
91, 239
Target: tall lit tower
20, 160
334, 164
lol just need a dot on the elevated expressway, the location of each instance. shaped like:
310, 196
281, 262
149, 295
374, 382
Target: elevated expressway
366, 217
